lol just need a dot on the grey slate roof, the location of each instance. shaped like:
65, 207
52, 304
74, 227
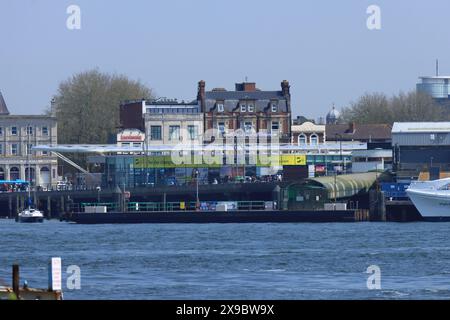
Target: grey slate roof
3, 108
231, 100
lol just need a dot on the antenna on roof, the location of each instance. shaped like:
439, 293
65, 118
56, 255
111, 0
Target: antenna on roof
246, 79
437, 67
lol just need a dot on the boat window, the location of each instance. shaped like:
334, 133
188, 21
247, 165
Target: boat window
445, 187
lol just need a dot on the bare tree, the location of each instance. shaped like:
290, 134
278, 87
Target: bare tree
411, 106
369, 108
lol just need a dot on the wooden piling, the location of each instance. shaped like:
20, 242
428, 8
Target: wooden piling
17, 205
62, 205
49, 207
10, 206
16, 280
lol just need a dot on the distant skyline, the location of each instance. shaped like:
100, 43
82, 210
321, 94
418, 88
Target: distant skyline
323, 48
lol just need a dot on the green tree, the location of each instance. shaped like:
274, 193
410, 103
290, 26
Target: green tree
87, 105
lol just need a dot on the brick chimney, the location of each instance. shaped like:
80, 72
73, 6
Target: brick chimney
201, 95
246, 86
285, 88
352, 127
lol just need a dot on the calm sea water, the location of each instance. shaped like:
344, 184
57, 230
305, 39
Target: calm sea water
236, 261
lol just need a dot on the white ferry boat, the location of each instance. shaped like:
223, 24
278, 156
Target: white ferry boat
431, 198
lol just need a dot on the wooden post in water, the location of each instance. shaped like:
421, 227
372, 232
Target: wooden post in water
49, 207
17, 205
15, 279
10, 206
62, 204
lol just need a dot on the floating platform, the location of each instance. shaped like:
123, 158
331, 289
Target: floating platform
7, 293
272, 216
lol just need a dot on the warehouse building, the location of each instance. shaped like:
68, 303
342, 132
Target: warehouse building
421, 147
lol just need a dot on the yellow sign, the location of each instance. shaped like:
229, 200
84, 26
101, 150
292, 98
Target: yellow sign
166, 162
293, 160
182, 205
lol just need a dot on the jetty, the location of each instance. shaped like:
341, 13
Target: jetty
22, 292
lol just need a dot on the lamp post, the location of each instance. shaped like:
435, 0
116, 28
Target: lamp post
340, 146
197, 203
335, 187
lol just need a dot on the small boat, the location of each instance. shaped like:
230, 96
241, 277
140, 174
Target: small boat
431, 198
30, 215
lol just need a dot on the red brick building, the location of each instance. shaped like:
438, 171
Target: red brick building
247, 108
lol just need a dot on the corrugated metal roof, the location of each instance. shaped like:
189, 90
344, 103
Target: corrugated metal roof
420, 127
348, 185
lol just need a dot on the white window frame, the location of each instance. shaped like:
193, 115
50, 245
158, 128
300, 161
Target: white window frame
29, 147
300, 137
271, 127
224, 128
248, 129
152, 138
173, 137
243, 107
220, 107
46, 133
311, 139
274, 107
251, 108
16, 152
194, 134
15, 129
29, 130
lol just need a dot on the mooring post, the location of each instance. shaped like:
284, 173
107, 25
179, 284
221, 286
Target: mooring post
17, 205
49, 207
62, 204
10, 207
15, 280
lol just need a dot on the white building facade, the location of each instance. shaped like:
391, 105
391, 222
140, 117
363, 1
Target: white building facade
18, 135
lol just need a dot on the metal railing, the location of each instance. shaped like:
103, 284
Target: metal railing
135, 207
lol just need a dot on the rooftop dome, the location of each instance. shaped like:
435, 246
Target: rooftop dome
333, 116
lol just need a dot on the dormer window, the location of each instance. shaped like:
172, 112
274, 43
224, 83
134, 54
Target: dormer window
251, 108
274, 107
220, 107
243, 107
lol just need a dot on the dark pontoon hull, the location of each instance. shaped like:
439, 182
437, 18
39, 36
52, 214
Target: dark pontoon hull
213, 217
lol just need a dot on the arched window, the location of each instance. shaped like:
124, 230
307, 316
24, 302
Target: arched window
14, 173
27, 174
314, 139
302, 140
45, 177
2, 174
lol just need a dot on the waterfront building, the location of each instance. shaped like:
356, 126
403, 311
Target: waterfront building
375, 135
308, 133
370, 160
421, 147
18, 135
165, 122
247, 108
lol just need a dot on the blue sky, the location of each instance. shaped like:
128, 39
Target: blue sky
322, 47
